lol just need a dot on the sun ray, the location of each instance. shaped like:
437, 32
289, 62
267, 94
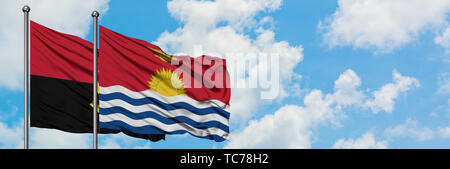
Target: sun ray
167, 83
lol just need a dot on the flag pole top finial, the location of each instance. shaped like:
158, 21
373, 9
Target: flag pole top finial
26, 8
95, 14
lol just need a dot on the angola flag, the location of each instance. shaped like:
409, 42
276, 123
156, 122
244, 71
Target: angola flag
146, 91
61, 82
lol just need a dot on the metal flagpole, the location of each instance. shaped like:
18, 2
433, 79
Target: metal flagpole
26, 11
95, 15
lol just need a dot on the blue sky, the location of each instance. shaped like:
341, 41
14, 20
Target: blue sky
348, 54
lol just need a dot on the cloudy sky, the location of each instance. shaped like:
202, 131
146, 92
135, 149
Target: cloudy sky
354, 74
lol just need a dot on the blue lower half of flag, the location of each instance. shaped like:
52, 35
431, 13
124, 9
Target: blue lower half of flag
148, 112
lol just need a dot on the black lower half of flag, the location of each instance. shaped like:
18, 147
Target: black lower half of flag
66, 105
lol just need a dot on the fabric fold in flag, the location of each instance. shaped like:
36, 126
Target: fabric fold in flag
146, 91
61, 68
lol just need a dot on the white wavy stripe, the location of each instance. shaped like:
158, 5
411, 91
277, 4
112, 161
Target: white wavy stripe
162, 126
164, 113
165, 99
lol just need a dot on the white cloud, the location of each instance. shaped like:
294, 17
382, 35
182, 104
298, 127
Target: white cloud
410, 129
120, 141
444, 83
11, 136
221, 28
444, 132
384, 98
73, 17
206, 14
444, 40
286, 128
55, 139
109, 143
291, 126
345, 89
382, 25
366, 141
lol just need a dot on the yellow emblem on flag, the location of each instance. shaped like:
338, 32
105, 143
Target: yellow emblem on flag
163, 56
167, 83
98, 91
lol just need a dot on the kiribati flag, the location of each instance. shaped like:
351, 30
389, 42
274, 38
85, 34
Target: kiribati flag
146, 91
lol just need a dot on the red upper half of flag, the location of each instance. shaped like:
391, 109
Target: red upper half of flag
132, 63
58, 55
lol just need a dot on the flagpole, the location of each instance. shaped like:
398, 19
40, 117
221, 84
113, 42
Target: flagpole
26, 12
95, 15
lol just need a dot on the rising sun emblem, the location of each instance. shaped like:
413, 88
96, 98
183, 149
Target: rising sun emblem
167, 83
